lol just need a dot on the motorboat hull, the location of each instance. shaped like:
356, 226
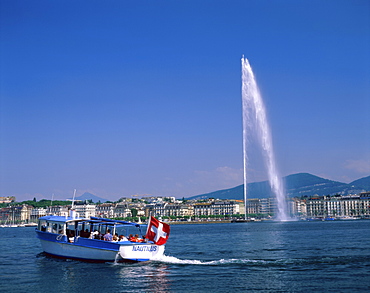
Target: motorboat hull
93, 250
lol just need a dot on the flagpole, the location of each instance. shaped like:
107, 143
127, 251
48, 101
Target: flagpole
148, 223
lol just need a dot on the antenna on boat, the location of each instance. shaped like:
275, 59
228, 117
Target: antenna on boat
72, 212
51, 203
73, 199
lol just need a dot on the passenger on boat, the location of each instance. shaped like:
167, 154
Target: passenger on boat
71, 235
108, 236
115, 237
137, 238
122, 238
94, 235
131, 238
85, 234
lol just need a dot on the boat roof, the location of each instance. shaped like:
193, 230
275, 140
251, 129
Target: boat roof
61, 218
90, 220
108, 221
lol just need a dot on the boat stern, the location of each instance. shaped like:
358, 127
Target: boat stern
141, 252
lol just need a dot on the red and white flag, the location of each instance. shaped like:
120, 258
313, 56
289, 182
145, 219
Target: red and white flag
157, 231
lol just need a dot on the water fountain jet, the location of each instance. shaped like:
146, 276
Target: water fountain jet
255, 119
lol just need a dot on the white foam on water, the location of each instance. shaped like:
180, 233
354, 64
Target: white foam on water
175, 260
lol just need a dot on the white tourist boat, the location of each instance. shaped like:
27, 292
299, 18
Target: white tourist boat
9, 226
80, 238
31, 224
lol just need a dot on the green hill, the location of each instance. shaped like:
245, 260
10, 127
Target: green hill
295, 185
308, 184
362, 183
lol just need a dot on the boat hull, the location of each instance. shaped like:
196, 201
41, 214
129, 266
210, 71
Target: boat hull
93, 250
141, 252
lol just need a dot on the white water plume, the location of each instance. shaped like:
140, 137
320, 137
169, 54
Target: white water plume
255, 120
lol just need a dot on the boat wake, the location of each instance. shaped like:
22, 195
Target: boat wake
174, 260
285, 262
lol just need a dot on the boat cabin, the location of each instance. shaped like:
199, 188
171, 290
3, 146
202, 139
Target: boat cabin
92, 228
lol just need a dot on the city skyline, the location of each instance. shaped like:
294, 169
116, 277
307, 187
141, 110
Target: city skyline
145, 98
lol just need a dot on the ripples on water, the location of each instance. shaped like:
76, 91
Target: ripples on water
263, 257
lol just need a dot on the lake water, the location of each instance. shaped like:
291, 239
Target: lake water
331, 256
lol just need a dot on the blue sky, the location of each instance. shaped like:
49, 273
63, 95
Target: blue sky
144, 97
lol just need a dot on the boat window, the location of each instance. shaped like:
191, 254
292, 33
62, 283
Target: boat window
54, 228
48, 227
71, 226
61, 229
84, 229
70, 231
104, 227
127, 230
42, 225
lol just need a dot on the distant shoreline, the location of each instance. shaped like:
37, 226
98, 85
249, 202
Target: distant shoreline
198, 222
259, 221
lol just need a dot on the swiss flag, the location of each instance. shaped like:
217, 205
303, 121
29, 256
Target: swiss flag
157, 231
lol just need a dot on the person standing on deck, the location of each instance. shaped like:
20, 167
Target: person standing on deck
108, 236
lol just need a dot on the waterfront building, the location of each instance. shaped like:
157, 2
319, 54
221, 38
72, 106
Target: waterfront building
58, 210
7, 199
24, 213
105, 210
315, 207
339, 206
5, 214
159, 199
179, 210
253, 206
265, 206
85, 210
203, 209
37, 213
297, 207
122, 210
15, 214
158, 209
165, 209
217, 208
